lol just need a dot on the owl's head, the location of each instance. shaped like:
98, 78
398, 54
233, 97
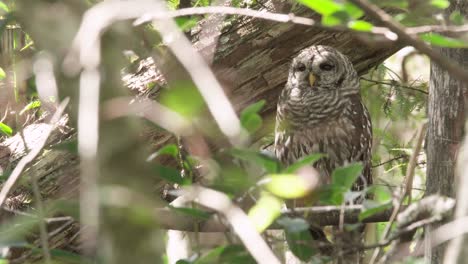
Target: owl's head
321, 68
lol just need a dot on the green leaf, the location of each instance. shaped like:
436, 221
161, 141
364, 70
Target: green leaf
2, 74
441, 4
331, 20
288, 186
300, 244
170, 149
252, 122
32, 105
360, 25
195, 212
268, 163
170, 174
186, 23
5, 129
67, 256
353, 11
307, 160
372, 208
253, 108
346, 176
323, 7
442, 41
236, 254
293, 224
250, 119
212, 256
457, 18
332, 195
184, 98
265, 211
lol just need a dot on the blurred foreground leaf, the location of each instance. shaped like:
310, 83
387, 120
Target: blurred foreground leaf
298, 237
5, 129
288, 186
442, 41
265, 211
304, 161
268, 163
249, 117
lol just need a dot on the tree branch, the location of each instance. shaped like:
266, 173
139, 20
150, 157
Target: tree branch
406, 38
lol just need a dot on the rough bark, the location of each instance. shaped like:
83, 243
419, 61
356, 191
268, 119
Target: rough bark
446, 111
251, 57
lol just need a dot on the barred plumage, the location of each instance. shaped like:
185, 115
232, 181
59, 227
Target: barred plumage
326, 116
320, 111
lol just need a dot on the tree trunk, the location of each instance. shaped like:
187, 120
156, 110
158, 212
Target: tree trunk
446, 112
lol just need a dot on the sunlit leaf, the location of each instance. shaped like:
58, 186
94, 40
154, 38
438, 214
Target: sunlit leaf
2, 74
442, 41
195, 212
32, 105
265, 211
5, 129
183, 98
307, 160
170, 174
360, 25
4, 7
372, 208
268, 163
170, 149
288, 186
323, 7
442, 4
346, 176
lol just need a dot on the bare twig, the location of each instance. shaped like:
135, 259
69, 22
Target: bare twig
239, 221
407, 191
13, 178
395, 84
405, 37
291, 18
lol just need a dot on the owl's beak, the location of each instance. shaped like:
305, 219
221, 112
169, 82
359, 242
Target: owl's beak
312, 79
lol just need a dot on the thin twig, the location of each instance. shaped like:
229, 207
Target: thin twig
395, 84
13, 178
44, 237
407, 190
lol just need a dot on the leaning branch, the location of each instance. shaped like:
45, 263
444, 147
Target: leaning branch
405, 37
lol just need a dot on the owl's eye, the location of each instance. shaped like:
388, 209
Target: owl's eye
301, 67
326, 66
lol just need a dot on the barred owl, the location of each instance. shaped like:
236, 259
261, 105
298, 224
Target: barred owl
320, 111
